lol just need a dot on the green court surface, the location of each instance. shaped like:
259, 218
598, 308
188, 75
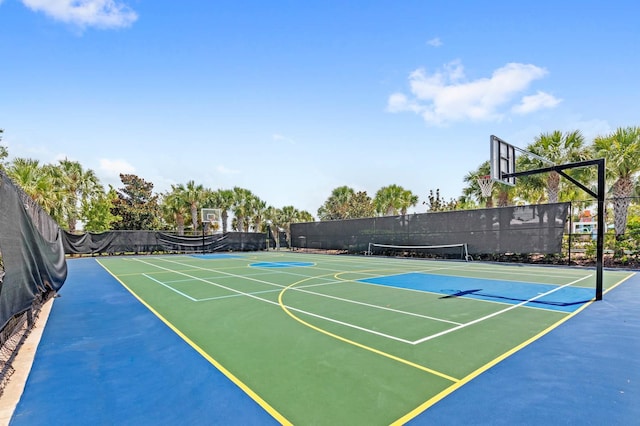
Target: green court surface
317, 339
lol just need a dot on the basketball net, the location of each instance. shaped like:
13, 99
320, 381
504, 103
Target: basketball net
486, 185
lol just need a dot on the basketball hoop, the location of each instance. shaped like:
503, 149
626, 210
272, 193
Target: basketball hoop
486, 185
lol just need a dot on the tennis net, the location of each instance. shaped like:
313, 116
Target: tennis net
442, 251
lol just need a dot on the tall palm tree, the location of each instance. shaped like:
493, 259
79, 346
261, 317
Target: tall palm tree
77, 186
258, 208
473, 191
559, 148
337, 205
241, 206
194, 196
288, 215
620, 150
222, 199
305, 216
407, 199
272, 217
393, 199
176, 207
37, 182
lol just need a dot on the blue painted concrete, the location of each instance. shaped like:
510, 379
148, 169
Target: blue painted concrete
585, 372
105, 359
567, 299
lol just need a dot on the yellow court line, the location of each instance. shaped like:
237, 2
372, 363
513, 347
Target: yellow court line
351, 342
267, 407
431, 401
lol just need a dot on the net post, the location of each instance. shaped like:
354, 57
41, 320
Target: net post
467, 257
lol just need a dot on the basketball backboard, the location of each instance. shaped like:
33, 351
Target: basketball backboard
503, 160
212, 217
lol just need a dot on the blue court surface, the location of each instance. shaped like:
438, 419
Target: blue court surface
105, 359
565, 299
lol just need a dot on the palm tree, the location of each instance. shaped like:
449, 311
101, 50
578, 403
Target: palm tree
288, 215
337, 205
393, 199
222, 199
272, 217
473, 191
407, 199
258, 208
37, 182
558, 148
305, 216
77, 186
241, 206
620, 150
176, 207
194, 196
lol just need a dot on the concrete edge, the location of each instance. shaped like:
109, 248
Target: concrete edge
22, 366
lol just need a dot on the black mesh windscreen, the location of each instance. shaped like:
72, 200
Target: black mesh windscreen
519, 229
31, 250
130, 242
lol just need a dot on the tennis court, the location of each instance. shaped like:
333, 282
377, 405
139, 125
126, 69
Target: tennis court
318, 339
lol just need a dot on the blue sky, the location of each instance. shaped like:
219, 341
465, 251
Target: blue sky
291, 99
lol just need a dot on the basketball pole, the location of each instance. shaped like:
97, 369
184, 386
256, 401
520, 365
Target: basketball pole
601, 226
599, 196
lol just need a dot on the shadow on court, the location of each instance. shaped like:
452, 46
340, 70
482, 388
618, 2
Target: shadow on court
587, 371
513, 300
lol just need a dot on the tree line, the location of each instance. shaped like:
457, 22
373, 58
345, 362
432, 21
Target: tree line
72, 194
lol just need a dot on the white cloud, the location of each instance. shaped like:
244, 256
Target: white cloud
590, 128
446, 95
226, 171
535, 102
86, 13
435, 42
281, 138
113, 168
398, 102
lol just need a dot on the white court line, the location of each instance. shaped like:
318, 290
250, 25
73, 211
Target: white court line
277, 304
170, 288
416, 342
346, 324
252, 295
384, 308
556, 272
433, 336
